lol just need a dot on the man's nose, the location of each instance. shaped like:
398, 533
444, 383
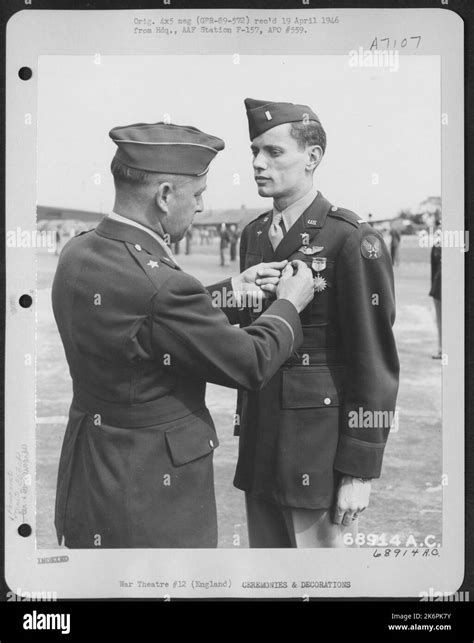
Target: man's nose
259, 162
200, 205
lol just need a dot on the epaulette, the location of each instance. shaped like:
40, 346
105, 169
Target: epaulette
84, 232
345, 215
156, 268
167, 261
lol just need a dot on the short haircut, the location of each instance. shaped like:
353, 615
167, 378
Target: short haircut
309, 133
125, 175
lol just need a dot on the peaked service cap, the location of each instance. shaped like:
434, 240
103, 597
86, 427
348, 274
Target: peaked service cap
263, 115
165, 148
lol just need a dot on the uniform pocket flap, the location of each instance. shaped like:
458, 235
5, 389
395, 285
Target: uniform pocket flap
190, 441
311, 387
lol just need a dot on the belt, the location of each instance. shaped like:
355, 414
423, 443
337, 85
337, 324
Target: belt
314, 357
163, 409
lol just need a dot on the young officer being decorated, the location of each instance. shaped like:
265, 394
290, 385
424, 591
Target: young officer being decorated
141, 338
304, 462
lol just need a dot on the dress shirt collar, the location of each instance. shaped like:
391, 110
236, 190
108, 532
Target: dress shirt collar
293, 212
152, 233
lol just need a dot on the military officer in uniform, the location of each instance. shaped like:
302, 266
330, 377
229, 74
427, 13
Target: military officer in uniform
306, 461
141, 339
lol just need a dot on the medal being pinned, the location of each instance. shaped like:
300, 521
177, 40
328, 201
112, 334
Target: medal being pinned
318, 265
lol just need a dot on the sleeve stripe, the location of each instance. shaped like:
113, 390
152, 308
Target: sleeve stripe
284, 321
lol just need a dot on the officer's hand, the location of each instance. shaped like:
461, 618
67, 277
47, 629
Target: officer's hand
296, 285
262, 277
352, 498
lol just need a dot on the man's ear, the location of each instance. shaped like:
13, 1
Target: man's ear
163, 195
315, 155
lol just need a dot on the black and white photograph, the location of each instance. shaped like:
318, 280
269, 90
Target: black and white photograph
136, 330
241, 341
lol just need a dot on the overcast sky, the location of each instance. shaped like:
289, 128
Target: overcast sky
377, 122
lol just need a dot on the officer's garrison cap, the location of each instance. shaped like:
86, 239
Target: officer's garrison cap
165, 148
263, 115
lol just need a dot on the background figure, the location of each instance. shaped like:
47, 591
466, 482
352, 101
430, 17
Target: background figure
189, 239
435, 290
395, 244
58, 241
225, 238
234, 237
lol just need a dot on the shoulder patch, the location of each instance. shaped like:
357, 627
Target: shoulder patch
345, 215
371, 247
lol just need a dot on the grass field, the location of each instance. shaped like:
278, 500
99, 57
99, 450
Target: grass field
405, 500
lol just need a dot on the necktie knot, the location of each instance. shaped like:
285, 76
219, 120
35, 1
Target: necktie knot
277, 216
275, 232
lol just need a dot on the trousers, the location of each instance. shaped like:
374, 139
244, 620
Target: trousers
275, 526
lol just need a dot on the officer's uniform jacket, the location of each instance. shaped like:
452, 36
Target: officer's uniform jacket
303, 429
141, 338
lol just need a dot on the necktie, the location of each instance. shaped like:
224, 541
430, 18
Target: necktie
275, 232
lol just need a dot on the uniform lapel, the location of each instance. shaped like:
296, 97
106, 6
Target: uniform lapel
263, 241
304, 230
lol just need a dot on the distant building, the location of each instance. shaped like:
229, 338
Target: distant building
238, 217
47, 212
207, 219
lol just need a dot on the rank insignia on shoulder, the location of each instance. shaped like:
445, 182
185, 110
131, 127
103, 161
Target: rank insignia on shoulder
153, 264
310, 250
312, 222
371, 247
259, 231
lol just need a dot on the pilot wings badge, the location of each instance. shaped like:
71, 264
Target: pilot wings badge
310, 250
371, 247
